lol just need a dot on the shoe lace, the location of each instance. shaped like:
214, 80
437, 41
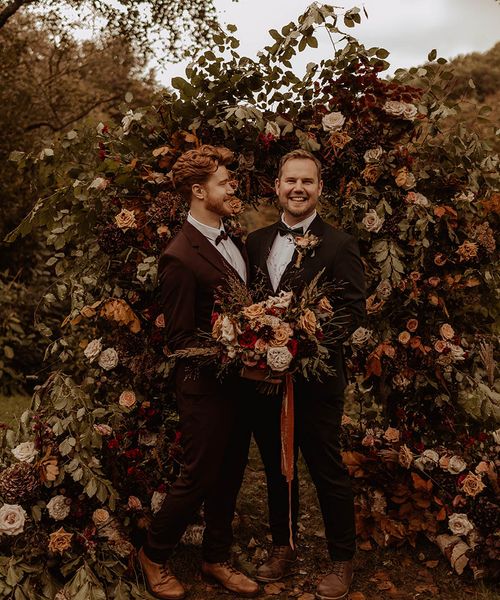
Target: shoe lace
230, 568
338, 568
165, 571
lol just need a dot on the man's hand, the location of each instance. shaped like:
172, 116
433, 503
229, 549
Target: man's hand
259, 375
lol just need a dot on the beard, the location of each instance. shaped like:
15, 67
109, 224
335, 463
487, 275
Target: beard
219, 207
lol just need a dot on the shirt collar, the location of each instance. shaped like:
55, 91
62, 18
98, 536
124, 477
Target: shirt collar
305, 224
209, 232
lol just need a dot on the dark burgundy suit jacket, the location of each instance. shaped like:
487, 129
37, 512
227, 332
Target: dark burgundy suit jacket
338, 254
189, 272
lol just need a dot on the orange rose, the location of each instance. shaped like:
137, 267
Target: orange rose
404, 337
434, 281
325, 306
281, 335
412, 325
127, 399
236, 206
100, 516
391, 434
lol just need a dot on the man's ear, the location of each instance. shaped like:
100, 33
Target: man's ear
277, 186
198, 191
320, 187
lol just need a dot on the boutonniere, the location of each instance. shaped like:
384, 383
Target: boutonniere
305, 244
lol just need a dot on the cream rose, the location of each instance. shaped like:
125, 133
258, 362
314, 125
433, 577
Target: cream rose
157, 500
447, 332
125, 219
108, 359
25, 452
333, 121
93, 349
394, 108
60, 540
228, 331
410, 112
372, 222
12, 519
404, 179
384, 289
456, 465
127, 399
282, 300
428, 460
279, 359
254, 311
373, 154
307, 322
456, 352
100, 517
459, 524
361, 336
272, 128
59, 507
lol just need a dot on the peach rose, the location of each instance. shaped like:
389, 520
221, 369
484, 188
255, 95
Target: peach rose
254, 311
217, 328
324, 306
281, 335
434, 281
307, 322
60, 540
405, 457
404, 179
404, 337
125, 219
236, 206
134, 503
261, 346
371, 173
447, 332
472, 485
160, 321
163, 230
391, 434
100, 516
440, 346
127, 399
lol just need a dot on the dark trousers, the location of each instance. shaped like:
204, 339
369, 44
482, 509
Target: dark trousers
317, 430
215, 440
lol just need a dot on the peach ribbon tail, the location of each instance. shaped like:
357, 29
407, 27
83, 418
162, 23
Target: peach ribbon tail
287, 445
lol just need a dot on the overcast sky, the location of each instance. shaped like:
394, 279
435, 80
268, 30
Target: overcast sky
409, 29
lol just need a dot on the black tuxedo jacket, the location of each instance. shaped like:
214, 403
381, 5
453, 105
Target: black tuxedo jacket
338, 254
190, 270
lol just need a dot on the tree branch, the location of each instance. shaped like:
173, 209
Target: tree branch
11, 9
73, 119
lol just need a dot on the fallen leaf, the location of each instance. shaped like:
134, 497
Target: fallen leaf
274, 589
427, 588
357, 596
306, 597
365, 545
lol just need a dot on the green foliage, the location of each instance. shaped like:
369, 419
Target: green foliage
420, 196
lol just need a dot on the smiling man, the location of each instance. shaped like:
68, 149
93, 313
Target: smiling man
215, 435
318, 405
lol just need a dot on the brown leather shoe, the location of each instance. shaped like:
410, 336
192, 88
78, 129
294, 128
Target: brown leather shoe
160, 581
282, 562
336, 585
232, 579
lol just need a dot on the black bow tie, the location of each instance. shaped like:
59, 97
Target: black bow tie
222, 236
285, 230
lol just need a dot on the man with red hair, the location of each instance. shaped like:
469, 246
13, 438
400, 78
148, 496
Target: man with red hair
215, 435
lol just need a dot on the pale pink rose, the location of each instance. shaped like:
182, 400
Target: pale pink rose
372, 222
59, 507
125, 219
93, 349
456, 465
134, 503
160, 321
25, 452
12, 519
103, 429
127, 399
108, 359
100, 516
459, 524
333, 121
483, 467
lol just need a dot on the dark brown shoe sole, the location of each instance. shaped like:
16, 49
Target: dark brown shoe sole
320, 597
210, 579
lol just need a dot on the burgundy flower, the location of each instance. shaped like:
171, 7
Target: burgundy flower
247, 339
293, 346
113, 443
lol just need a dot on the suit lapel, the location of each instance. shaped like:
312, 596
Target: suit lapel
206, 250
265, 249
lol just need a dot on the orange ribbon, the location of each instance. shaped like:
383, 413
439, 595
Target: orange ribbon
287, 449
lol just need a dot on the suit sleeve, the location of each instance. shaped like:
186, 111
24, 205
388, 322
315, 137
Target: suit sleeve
348, 269
178, 297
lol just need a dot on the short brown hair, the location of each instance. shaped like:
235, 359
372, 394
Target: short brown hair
196, 166
299, 153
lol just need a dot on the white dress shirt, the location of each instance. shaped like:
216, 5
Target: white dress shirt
282, 251
227, 248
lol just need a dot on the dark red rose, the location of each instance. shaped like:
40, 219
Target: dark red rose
178, 436
113, 443
293, 346
262, 364
133, 453
247, 339
213, 318
161, 488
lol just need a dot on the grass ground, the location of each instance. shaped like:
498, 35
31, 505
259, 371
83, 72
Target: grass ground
384, 574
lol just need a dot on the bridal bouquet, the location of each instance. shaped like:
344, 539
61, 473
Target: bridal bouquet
286, 333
